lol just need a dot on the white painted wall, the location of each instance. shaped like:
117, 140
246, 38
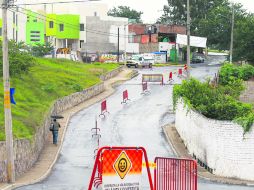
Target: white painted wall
219, 144
21, 29
132, 48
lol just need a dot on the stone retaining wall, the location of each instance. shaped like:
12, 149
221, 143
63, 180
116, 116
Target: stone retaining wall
111, 74
221, 145
27, 152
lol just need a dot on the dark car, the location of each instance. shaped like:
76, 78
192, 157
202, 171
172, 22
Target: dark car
198, 59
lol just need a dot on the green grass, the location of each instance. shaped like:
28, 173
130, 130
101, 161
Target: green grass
167, 64
216, 51
47, 80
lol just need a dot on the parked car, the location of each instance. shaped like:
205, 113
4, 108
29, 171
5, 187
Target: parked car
198, 59
140, 61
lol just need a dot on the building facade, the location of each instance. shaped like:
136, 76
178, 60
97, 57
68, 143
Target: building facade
81, 26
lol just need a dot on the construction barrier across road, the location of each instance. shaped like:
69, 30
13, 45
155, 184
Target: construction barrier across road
121, 168
153, 78
175, 174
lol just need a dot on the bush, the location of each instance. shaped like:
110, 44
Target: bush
39, 50
215, 103
230, 72
19, 59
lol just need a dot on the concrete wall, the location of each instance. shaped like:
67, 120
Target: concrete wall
221, 145
102, 34
16, 27
27, 152
149, 47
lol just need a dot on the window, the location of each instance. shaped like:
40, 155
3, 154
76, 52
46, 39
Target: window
61, 27
0, 31
51, 24
82, 27
81, 43
35, 20
35, 32
35, 40
14, 16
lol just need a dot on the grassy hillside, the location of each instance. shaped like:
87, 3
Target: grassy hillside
46, 81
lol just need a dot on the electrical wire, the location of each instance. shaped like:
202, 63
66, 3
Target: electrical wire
56, 2
75, 27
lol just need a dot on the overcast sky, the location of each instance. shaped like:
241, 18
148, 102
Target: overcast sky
152, 9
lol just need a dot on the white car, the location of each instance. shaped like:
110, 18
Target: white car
140, 61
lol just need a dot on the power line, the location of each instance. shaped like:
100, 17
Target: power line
75, 27
51, 3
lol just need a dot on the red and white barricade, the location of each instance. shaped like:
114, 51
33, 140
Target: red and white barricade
180, 72
153, 78
125, 97
145, 88
175, 174
120, 167
103, 108
170, 78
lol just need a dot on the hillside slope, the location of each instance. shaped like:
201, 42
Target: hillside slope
46, 81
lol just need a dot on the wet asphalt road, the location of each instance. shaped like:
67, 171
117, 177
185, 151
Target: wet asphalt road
136, 124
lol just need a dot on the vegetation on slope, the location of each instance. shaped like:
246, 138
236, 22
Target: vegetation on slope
39, 86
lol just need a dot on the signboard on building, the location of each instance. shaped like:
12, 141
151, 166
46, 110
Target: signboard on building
121, 169
194, 41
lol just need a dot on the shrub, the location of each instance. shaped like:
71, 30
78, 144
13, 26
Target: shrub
230, 72
215, 103
19, 59
39, 50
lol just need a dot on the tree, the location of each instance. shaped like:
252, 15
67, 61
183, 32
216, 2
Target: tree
127, 12
175, 11
39, 50
19, 58
243, 39
209, 18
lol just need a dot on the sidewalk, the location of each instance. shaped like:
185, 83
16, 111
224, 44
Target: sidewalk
49, 155
180, 150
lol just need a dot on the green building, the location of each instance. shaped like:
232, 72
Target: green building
34, 29
65, 26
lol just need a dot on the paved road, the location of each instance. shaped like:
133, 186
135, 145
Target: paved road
136, 124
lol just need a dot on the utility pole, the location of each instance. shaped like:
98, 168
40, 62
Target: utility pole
125, 54
118, 41
7, 104
188, 39
232, 34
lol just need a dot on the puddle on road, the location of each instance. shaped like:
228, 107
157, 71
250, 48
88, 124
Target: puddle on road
167, 118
